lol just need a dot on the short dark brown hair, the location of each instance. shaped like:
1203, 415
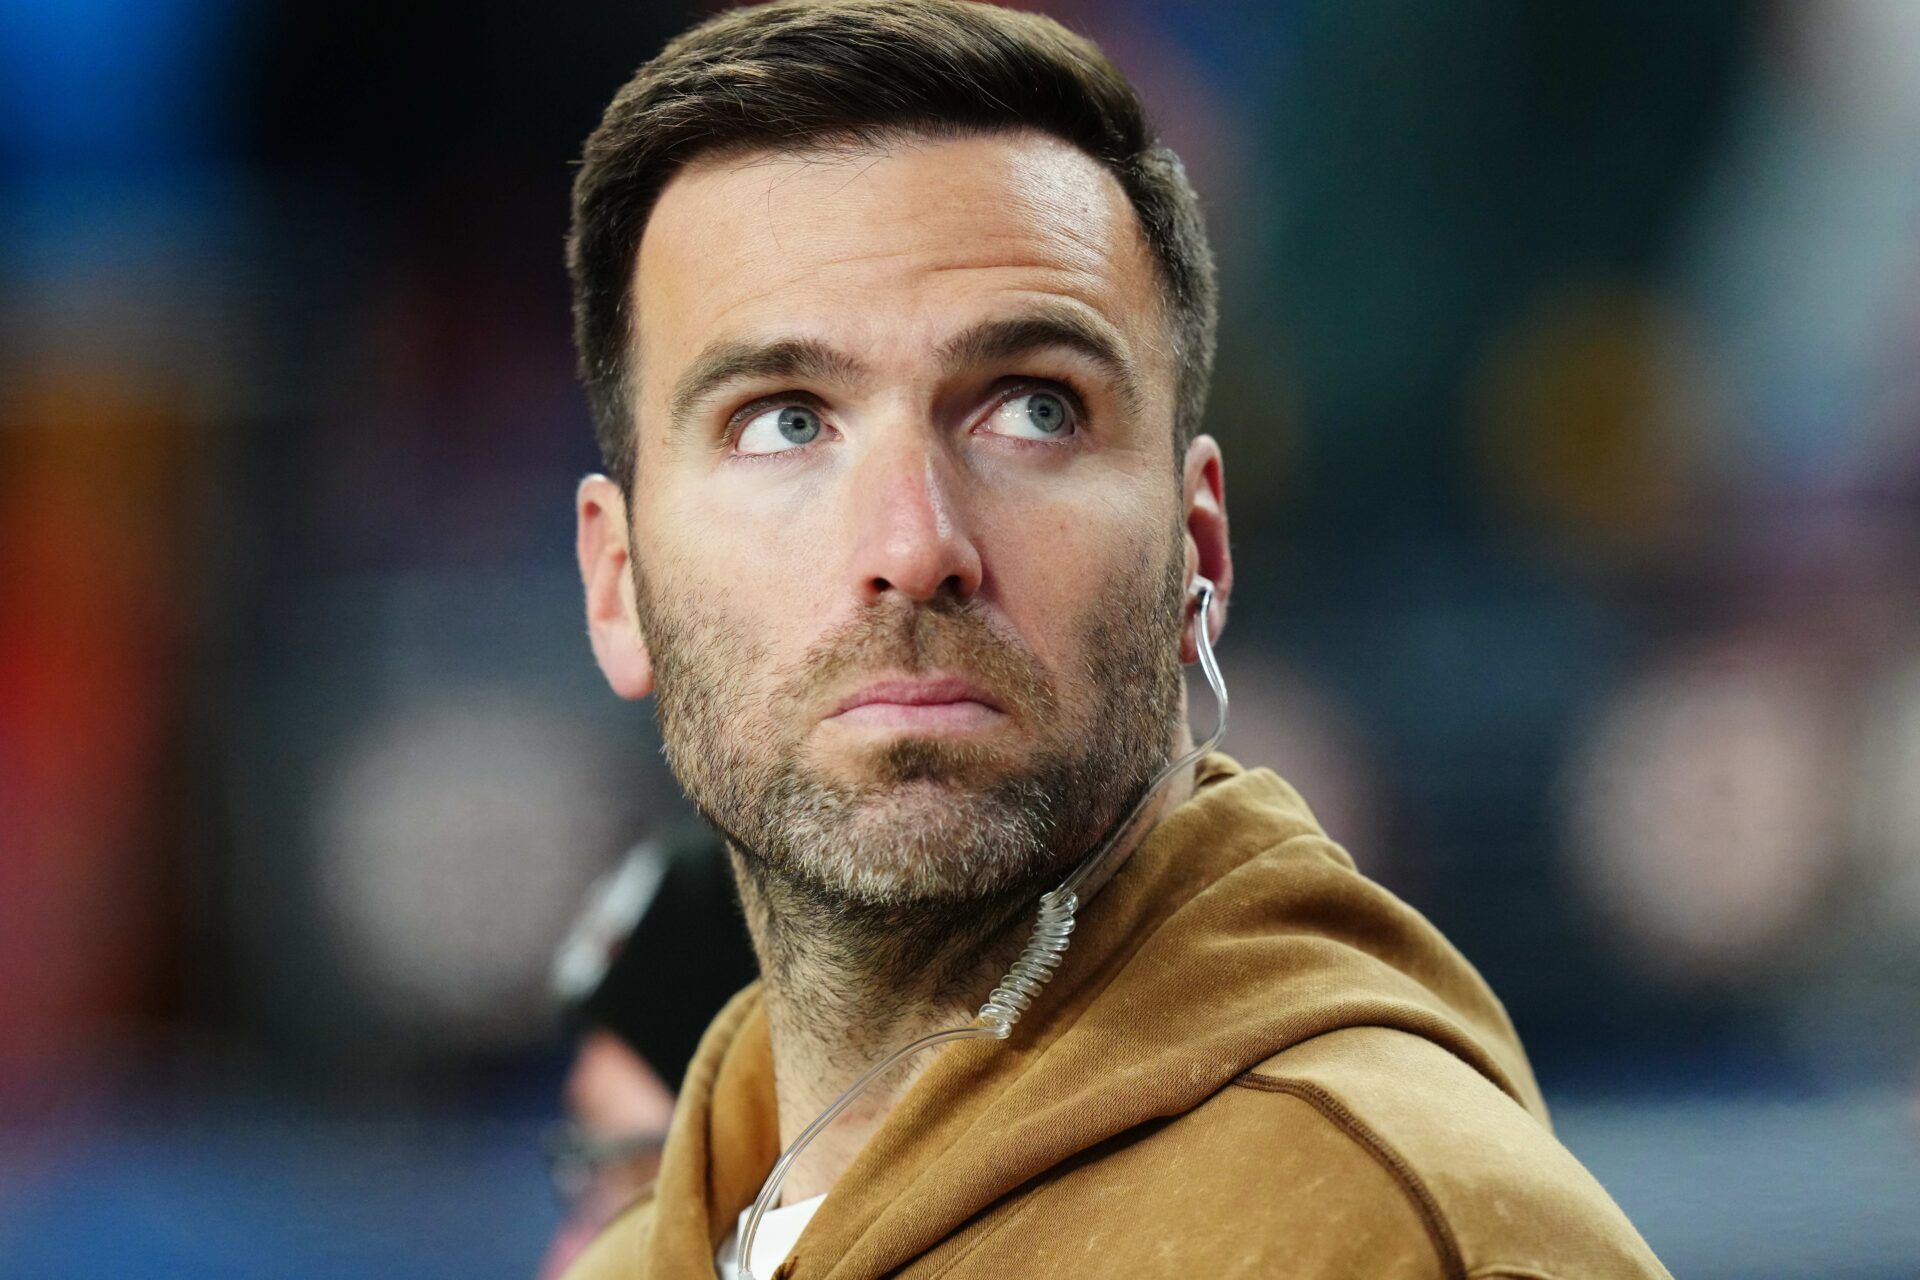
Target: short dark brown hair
797, 75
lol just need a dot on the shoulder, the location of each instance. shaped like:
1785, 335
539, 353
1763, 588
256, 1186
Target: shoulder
1493, 1190
617, 1252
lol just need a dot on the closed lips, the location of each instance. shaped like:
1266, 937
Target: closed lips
923, 692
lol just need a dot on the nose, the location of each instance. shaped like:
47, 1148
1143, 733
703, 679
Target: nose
911, 534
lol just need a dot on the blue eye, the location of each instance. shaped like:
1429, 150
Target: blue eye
779, 429
1032, 415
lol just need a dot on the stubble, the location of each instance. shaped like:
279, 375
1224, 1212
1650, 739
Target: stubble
921, 847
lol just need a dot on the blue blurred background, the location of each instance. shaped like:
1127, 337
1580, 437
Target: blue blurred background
1570, 393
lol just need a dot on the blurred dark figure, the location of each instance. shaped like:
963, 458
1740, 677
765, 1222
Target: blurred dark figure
658, 949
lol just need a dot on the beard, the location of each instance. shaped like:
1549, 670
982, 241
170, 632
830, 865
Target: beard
918, 827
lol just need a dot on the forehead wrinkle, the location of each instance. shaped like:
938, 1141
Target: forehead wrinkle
1065, 247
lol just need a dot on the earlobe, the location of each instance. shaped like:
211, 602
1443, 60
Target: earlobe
1203, 490
613, 623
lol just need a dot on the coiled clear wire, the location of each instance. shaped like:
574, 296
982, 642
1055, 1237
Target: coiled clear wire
1043, 954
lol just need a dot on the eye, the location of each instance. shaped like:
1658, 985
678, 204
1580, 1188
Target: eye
779, 429
1031, 415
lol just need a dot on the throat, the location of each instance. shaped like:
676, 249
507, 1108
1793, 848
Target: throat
848, 982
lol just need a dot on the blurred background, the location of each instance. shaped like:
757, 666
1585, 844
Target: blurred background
1570, 393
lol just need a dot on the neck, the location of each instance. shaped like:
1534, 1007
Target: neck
847, 982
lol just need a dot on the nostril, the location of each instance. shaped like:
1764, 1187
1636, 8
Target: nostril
954, 585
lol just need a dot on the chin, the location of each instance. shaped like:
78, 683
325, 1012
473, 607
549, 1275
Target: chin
927, 840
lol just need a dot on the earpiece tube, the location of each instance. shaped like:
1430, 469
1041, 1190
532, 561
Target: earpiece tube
1052, 932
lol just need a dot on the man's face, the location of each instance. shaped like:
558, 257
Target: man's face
908, 539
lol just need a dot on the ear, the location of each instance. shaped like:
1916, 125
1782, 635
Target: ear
1204, 497
613, 623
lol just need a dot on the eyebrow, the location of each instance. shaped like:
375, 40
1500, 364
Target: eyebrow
988, 342
1042, 329
732, 360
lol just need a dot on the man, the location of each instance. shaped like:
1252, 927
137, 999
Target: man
897, 325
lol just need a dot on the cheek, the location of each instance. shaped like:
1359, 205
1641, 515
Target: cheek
1069, 556
750, 564
774, 571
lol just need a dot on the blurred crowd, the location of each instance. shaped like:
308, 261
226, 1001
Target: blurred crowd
1570, 393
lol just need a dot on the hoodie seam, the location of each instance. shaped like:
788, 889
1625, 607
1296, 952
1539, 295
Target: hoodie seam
1396, 1165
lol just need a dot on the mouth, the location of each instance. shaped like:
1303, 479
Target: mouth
919, 703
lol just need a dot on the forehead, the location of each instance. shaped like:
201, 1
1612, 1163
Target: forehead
885, 249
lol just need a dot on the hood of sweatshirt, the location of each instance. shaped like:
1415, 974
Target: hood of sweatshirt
1236, 930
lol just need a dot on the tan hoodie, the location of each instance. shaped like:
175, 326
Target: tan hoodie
1254, 1062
